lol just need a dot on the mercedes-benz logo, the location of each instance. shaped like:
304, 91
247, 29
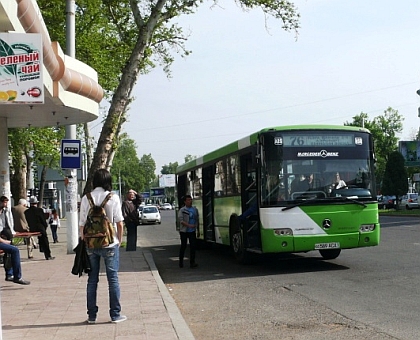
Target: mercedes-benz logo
323, 153
326, 224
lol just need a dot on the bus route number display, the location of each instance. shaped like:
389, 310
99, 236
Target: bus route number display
318, 140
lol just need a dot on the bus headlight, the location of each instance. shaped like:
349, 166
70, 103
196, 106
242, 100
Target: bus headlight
364, 228
283, 232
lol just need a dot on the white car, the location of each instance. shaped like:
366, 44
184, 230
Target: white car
150, 214
410, 201
166, 206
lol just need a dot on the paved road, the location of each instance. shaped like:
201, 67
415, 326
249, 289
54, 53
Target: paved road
365, 293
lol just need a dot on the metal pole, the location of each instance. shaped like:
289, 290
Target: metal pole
119, 184
71, 174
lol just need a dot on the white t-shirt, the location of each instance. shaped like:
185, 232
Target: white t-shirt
112, 208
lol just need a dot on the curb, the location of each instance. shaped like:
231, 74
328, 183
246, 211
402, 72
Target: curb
181, 328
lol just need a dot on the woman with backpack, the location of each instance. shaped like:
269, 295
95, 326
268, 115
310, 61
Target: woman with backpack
109, 252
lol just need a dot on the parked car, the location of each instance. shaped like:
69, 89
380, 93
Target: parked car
140, 209
410, 201
150, 214
166, 206
386, 202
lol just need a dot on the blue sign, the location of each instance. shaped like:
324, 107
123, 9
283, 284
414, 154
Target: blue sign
145, 194
157, 192
71, 154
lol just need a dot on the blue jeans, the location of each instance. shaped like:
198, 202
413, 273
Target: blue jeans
16, 270
54, 232
111, 258
131, 236
191, 236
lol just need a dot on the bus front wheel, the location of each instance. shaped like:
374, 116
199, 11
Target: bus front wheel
237, 240
330, 254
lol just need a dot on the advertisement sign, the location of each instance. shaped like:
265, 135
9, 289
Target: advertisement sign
157, 192
21, 68
411, 152
145, 195
167, 181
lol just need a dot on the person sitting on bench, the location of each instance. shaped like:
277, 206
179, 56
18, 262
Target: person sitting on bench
13, 270
21, 226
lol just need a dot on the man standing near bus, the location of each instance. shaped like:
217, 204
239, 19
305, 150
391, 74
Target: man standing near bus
189, 228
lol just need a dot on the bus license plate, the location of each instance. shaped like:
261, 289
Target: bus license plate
331, 245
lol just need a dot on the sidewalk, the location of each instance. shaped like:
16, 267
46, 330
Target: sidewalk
53, 306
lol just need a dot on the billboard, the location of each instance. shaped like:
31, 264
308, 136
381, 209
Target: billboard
21, 68
411, 152
157, 192
145, 195
167, 181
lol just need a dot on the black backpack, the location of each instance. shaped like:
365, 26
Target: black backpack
98, 231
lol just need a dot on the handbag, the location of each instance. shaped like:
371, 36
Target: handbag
7, 260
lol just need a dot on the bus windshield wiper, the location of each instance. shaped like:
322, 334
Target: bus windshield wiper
300, 203
341, 198
354, 200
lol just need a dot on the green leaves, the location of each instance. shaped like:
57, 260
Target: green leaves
7, 50
395, 177
384, 130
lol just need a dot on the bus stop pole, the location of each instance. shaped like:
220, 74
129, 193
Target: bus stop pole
71, 174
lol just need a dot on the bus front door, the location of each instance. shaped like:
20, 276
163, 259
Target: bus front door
208, 192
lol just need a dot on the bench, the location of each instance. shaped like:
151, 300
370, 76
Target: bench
27, 235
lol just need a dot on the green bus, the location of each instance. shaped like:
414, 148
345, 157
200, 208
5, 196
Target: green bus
287, 189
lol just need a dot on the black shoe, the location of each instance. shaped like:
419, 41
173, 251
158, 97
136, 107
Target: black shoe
50, 258
193, 265
181, 265
22, 282
9, 278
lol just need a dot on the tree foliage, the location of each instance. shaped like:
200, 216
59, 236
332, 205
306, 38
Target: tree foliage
135, 35
384, 130
169, 168
395, 177
148, 168
129, 170
29, 146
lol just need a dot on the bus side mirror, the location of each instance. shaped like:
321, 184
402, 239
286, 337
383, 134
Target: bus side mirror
255, 156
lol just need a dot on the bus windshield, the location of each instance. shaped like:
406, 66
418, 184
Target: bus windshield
302, 165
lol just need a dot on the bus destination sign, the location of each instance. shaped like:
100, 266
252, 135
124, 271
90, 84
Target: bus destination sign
318, 140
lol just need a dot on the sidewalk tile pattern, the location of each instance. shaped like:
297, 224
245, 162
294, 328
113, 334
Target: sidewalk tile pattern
53, 306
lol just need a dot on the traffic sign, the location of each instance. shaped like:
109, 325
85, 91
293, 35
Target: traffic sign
71, 155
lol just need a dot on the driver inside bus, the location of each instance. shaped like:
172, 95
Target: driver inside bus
301, 183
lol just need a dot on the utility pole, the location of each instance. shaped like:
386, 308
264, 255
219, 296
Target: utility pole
71, 174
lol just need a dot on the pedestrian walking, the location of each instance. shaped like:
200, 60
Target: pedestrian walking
189, 229
37, 223
54, 222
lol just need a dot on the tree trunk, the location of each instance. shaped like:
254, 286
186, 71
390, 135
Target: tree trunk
116, 114
88, 143
42, 184
18, 181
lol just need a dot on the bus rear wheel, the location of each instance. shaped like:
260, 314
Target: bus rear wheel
330, 254
237, 240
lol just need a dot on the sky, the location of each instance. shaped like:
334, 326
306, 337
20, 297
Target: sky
245, 73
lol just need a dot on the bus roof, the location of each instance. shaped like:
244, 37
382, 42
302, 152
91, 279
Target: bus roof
252, 139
